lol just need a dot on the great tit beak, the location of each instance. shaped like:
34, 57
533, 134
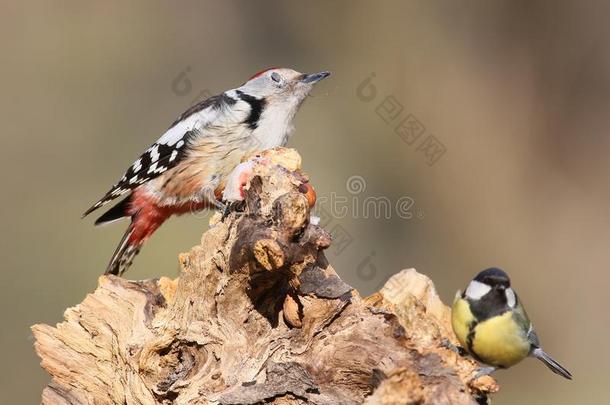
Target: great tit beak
315, 77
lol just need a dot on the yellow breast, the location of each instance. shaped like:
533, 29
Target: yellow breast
499, 341
461, 317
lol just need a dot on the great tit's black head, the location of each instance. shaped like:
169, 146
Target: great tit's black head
494, 278
490, 293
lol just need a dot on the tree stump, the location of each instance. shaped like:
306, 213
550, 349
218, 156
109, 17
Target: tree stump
258, 316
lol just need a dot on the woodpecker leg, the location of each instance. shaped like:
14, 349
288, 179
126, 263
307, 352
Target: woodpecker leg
484, 371
225, 212
235, 206
208, 192
219, 204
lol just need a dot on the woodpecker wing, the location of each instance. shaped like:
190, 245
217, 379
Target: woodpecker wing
168, 150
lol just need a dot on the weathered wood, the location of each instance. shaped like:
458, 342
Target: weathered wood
258, 316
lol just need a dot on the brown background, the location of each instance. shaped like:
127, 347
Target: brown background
517, 92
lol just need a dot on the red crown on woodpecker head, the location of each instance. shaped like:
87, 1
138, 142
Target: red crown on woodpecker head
262, 72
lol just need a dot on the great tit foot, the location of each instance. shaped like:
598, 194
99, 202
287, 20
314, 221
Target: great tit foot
446, 343
484, 371
380, 311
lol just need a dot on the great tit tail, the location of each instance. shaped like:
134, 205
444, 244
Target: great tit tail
551, 363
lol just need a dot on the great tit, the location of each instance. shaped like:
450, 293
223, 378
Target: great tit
491, 324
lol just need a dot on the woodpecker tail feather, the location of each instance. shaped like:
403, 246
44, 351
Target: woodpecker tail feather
146, 218
551, 363
118, 211
124, 254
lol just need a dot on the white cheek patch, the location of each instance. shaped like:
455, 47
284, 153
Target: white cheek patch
476, 290
511, 299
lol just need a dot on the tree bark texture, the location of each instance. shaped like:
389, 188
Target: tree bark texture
259, 316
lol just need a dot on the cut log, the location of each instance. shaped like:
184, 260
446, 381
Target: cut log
258, 316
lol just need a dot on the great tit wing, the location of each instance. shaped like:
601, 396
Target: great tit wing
521, 318
533, 337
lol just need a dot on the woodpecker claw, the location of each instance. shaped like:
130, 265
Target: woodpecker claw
225, 212
235, 206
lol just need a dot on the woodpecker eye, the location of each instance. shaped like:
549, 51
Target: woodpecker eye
276, 77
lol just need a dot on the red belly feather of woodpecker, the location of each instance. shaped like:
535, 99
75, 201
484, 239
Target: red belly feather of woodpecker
186, 169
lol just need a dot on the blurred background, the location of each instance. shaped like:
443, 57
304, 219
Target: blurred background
481, 126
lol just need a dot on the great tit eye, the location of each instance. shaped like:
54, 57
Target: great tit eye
276, 77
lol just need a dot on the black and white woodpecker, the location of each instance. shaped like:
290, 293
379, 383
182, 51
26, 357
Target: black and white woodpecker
187, 167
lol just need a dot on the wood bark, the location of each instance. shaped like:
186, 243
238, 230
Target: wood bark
258, 316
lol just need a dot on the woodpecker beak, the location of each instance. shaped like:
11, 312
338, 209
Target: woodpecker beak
315, 77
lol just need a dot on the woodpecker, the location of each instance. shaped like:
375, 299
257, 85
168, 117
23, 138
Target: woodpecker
186, 169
